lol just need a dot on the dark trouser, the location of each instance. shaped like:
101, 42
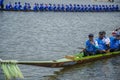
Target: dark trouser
1, 6
87, 53
100, 52
112, 50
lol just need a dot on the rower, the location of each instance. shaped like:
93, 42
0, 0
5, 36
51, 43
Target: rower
114, 33
91, 46
9, 6
58, 7
85, 8
54, 7
29, 7
63, 8
25, 8
89, 8
115, 43
45, 7
107, 40
100, 8
66, 8
71, 7
102, 43
19, 6
106, 8
74, 7
78, 7
93, 7
96, 8
50, 7
1, 4
41, 7
116, 8
35, 8
110, 8
15, 6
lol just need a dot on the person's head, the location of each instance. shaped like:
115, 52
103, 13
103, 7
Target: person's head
103, 32
118, 35
15, 2
90, 36
114, 33
18, 2
101, 35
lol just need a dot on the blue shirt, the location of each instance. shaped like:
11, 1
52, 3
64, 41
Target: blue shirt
19, 6
114, 43
101, 44
16, 7
1, 2
35, 8
91, 47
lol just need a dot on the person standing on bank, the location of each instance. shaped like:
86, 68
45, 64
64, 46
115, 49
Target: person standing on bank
1, 4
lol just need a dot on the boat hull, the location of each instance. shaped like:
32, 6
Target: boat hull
54, 11
64, 62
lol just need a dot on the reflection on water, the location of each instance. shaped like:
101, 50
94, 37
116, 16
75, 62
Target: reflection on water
97, 70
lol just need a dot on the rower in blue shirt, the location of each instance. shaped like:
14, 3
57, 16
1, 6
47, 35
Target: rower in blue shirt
85, 8
15, 6
35, 8
100, 8
89, 8
29, 7
19, 6
9, 6
45, 7
41, 7
115, 43
78, 7
101, 43
93, 7
116, 8
70, 7
54, 7
1, 4
58, 7
74, 7
96, 8
63, 8
106, 8
50, 7
110, 8
91, 46
25, 8
66, 8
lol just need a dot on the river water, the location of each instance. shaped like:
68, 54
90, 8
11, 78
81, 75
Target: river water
52, 35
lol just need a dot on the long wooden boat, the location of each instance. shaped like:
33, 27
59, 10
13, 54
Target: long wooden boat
11, 70
69, 61
54, 11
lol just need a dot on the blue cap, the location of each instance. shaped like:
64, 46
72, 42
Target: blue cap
90, 35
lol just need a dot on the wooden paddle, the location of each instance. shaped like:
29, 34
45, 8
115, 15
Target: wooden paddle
117, 29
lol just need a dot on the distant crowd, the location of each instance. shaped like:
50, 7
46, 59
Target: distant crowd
103, 44
61, 7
